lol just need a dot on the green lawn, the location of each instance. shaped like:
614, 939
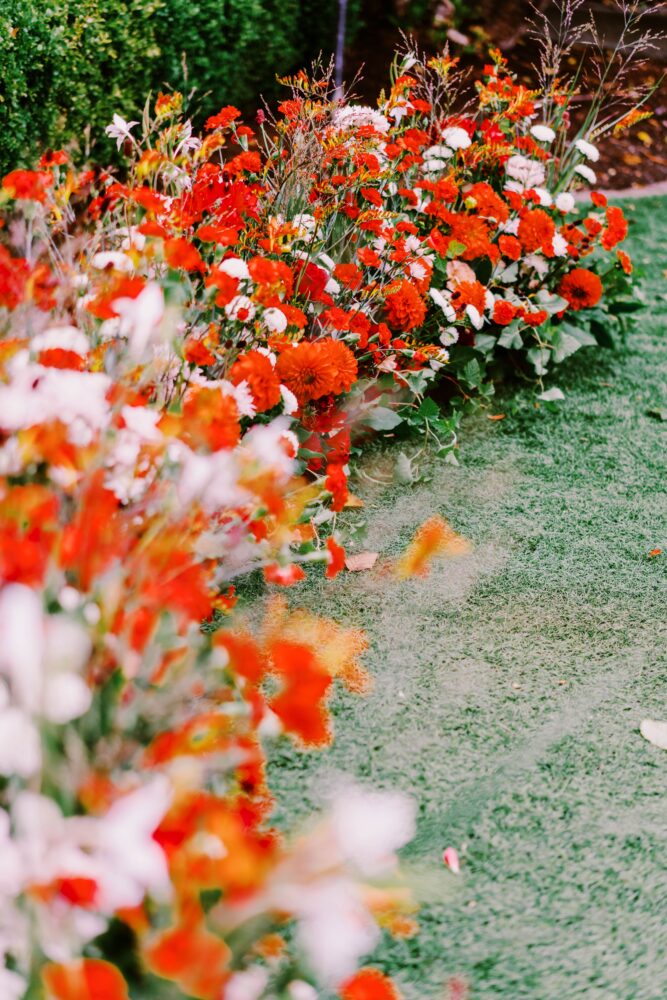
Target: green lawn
509, 685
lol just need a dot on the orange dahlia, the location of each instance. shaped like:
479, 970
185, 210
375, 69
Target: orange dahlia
256, 369
581, 288
318, 368
405, 307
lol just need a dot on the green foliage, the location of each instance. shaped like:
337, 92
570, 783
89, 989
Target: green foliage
67, 65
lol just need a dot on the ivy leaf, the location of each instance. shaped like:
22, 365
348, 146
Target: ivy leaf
552, 395
381, 418
564, 345
511, 337
455, 249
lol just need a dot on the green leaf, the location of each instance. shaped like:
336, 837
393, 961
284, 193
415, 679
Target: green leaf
564, 345
455, 249
381, 418
539, 359
472, 372
511, 337
428, 409
585, 337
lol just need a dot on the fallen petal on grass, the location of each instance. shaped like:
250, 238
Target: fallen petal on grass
655, 732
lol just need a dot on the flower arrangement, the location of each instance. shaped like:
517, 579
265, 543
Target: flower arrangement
190, 356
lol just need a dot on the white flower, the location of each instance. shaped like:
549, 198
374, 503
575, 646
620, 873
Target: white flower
443, 301
475, 317
335, 929
131, 862
141, 317
241, 308
12, 986
120, 130
565, 202
37, 395
112, 258
65, 338
439, 152
586, 173
275, 319
543, 133
369, 827
247, 985
235, 267
242, 395
588, 150
537, 263
351, 117
300, 990
290, 402
559, 245
545, 198
529, 173
20, 747
456, 137
449, 336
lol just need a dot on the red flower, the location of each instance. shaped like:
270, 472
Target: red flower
369, 984
256, 369
223, 119
503, 312
180, 253
405, 307
30, 185
87, 979
581, 288
336, 558
318, 368
537, 231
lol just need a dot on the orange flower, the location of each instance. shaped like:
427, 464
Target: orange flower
88, 979
405, 307
369, 984
31, 185
434, 538
315, 369
223, 119
581, 288
256, 369
300, 705
469, 293
536, 231
211, 418
190, 956
624, 261
180, 253
617, 228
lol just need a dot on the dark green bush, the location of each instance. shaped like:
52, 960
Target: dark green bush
67, 65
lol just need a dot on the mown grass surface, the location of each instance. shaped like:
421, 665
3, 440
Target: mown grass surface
509, 685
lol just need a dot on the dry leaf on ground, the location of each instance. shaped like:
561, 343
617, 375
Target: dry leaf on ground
360, 561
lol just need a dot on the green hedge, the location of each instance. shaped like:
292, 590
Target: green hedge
67, 65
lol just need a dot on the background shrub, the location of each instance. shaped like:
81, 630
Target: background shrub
67, 65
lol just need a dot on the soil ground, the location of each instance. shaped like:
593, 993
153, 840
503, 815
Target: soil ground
510, 684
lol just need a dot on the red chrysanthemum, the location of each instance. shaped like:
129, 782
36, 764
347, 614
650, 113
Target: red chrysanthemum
581, 288
315, 369
537, 231
256, 369
405, 307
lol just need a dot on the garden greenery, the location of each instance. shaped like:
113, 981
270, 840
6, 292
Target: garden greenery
192, 355
67, 65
